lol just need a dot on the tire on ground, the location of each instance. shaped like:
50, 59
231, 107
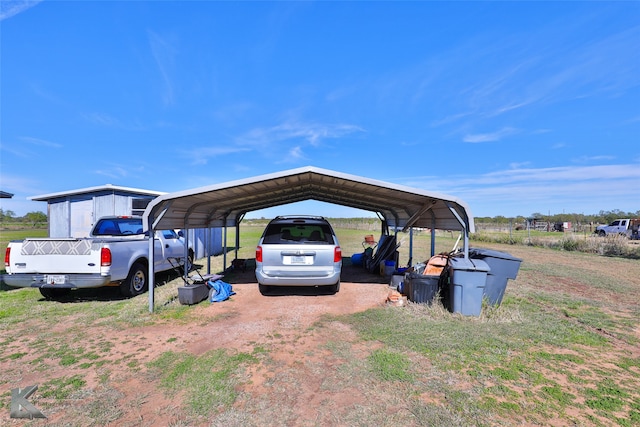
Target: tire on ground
54, 293
136, 282
335, 288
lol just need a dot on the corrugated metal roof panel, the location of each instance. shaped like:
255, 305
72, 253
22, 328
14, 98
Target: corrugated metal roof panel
222, 204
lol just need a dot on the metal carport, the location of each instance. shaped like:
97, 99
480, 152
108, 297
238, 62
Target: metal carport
225, 204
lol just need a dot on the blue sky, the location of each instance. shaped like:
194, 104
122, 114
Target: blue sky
514, 107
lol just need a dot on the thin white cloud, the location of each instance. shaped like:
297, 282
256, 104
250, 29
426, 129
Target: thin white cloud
163, 53
118, 171
489, 137
312, 133
107, 120
40, 142
202, 155
11, 8
589, 159
102, 119
516, 165
296, 154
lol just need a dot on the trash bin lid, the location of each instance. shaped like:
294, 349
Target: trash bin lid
469, 264
490, 253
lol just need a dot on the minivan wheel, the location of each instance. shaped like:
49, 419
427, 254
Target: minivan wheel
335, 288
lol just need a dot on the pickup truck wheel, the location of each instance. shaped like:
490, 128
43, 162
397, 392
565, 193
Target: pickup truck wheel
53, 294
189, 264
602, 233
136, 282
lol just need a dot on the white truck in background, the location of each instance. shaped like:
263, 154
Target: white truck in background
625, 226
116, 253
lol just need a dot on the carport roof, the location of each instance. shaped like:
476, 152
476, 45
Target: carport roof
225, 204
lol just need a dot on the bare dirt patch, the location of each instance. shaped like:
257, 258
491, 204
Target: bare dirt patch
281, 322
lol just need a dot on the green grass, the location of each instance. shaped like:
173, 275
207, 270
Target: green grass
208, 380
390, 365
61, 388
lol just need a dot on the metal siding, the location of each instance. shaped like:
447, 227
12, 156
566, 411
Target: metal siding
112, 204
81, 217
59, 219
198, 241
121, 204
104, 205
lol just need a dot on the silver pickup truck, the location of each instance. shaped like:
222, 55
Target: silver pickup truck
115, 254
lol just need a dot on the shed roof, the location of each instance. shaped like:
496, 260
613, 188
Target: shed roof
97, 189
224, 204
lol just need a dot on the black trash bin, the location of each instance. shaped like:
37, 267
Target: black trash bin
421, 288
504, 266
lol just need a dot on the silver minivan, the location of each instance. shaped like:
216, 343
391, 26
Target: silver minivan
298, 251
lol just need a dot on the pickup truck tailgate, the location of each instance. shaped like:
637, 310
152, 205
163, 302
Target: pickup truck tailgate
56, 255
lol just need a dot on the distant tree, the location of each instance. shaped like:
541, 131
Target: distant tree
7, 215
36, 217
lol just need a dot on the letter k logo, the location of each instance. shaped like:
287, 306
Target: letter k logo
20, 406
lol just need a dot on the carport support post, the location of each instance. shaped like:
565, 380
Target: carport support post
237, 238
433, 233
410, 246
151, 272
465, 229
238, 221
185, 272
224, 252
207, 245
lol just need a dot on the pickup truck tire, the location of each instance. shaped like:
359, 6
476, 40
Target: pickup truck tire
136, 282
602, 233
54, 294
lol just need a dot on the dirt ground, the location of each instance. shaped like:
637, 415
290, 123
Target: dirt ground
305, 378
281, 321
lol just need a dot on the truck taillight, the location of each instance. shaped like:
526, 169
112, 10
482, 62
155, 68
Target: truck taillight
337, 254
259, 254
6, 258
105, 257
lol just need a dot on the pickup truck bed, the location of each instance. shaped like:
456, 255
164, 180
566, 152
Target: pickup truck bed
57, 265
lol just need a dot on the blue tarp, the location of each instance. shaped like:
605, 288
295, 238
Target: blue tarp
220, 291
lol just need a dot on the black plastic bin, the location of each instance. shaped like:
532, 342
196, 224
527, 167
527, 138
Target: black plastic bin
193, 294
421, 288
503, 267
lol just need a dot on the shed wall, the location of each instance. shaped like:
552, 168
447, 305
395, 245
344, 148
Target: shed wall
59, 215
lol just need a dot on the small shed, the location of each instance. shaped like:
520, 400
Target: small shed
72, 213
